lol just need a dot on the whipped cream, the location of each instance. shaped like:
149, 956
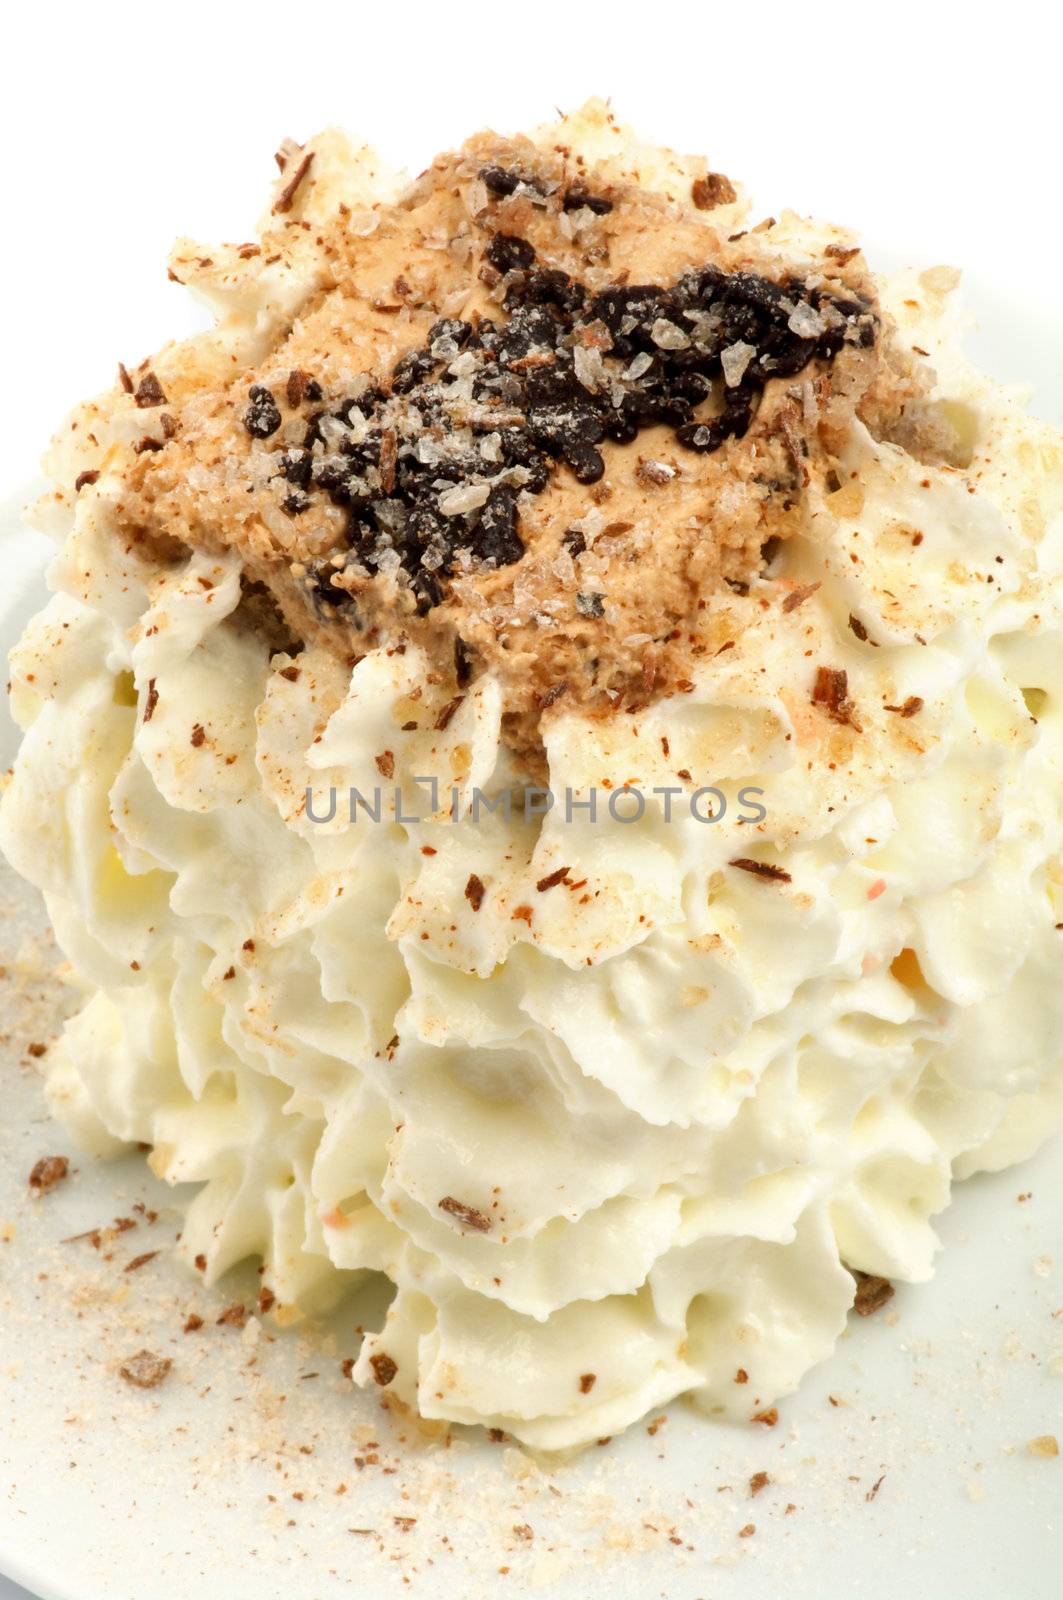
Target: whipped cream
618, 1139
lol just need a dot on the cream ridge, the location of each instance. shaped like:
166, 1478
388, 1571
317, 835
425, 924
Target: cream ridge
618, 1107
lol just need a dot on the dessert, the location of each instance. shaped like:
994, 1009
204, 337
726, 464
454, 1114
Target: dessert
546, 750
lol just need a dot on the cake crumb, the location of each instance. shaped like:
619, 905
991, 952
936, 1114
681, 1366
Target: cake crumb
145, 1370
47, 1172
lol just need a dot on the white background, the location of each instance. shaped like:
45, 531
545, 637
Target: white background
925, 126
935, 126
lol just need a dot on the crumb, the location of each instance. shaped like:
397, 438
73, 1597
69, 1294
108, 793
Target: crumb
145, 1370
467, 1215
48, 1171
871, 1293
384, 1368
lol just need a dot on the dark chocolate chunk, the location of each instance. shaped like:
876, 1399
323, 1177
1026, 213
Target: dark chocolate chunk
660, 365
296, 466
262, 416
507, 252
586, 462
496, 538
577, 197
499, 180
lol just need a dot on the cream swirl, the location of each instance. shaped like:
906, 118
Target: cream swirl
611, 1139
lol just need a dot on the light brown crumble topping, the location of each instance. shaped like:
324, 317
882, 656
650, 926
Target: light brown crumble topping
611, 604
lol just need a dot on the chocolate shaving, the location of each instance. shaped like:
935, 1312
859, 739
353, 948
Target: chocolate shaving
587, 1382
389, 452
474, 891
910, 708
797, 597
552, 881
463, 660
140, 1261
447, 712
283, 202
762, 869
831, 691
151, 700
468, 1216
83, 480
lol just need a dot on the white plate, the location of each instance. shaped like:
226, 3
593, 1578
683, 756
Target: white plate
226, 1480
